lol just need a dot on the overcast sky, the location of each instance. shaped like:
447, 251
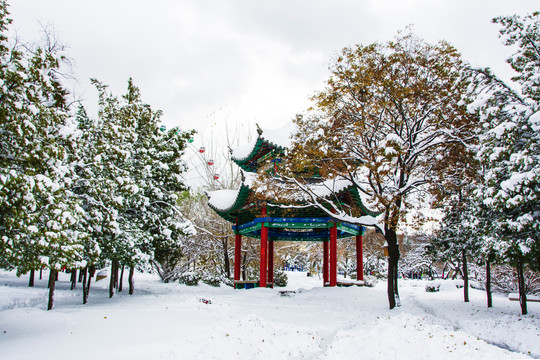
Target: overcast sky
204, 61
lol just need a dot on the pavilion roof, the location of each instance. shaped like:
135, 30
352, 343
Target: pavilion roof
274, 141
244, 204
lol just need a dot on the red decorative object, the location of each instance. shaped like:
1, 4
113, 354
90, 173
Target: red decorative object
201, 149
210, 162
216, 176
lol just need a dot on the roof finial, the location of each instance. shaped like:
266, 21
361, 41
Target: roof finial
259, 131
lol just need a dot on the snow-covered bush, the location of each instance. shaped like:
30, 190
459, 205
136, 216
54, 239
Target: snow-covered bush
280, 278
212, 280
433, 287
189, 278
227, 281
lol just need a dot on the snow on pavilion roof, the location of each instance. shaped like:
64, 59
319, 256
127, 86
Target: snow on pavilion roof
243, 206
268, 140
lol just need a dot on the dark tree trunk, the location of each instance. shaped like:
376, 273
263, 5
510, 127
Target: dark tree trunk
393, 252
226, 260
130, 280
91, 273
396, 289
111, 282
84, 274
244, 272
465, 277
521, 282
31, 280
57, 274
52, 283
73, 278
81, 274
121, 279
442, 273
40, 274
488, 284
116, 269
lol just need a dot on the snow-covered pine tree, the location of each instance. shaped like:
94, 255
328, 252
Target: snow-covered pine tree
38, 214
158, 170
457, 239
106, 183
510, 148
84, 186
457, 175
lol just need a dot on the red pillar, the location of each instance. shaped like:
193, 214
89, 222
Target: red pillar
333, 255
271, 263
359, 258
325, 263
237, 256
264, 244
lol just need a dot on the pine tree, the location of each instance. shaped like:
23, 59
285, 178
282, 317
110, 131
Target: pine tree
130, 175
510, 149
157, 170
39, 213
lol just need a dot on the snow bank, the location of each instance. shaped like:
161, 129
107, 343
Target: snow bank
168, 321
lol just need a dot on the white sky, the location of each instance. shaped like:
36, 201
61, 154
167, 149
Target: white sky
245, 61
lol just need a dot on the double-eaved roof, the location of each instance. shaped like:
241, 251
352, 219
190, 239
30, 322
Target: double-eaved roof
244, 205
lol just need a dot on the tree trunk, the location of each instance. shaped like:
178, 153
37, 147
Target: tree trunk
111, 279
226, 260
40, 273
443, 269
465, 277
81, 274
392, 284
116, 269
244, 270
84, 274
52, 283
521, 282
121, 279
396, 289
130, 280
91, 272
488, 284
31, 280
73, 278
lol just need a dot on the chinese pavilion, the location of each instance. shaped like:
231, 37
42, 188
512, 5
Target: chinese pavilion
254, 217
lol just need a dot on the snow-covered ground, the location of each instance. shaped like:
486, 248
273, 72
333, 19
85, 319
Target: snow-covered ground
169, 321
